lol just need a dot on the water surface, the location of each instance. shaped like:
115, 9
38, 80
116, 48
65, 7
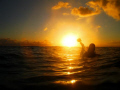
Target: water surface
58, 68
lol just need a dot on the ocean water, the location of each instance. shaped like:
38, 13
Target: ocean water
58, 68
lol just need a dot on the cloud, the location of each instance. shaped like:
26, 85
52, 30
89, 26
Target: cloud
84, 12
65, 14
10, 42
60, 5
110, 7
45, 29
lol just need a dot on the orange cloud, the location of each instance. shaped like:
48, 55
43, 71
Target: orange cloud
84, 12
45, 29
110, 7
60, 5
65, 14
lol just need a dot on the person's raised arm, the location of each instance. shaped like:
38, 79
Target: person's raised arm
83, 47
79, 40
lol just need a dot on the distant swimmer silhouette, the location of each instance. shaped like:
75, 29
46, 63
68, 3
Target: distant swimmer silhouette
90, 52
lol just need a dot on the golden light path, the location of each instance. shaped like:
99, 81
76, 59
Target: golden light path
67, 82
69, 40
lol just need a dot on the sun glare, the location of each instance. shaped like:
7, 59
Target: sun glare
69, 40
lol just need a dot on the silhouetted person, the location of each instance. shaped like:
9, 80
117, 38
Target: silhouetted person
90, 52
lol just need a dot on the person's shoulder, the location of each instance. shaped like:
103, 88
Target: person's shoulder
85, 54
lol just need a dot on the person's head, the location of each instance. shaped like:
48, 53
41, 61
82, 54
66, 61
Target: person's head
91, 48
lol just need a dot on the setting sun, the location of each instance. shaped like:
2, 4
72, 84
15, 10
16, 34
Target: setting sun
69, 40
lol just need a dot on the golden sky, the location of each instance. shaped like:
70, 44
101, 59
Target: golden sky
55, 21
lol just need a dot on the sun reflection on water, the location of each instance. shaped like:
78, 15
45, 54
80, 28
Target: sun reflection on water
70, 67
73, 81
68, 73
70, 59
66, 82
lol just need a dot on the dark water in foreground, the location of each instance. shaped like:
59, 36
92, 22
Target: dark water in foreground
58, 68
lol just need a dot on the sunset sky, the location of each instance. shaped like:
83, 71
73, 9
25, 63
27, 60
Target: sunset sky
94, 21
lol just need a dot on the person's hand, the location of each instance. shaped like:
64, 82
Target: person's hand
79, 40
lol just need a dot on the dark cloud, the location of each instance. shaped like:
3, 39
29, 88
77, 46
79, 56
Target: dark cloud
10, 42
84, 11
110, 7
